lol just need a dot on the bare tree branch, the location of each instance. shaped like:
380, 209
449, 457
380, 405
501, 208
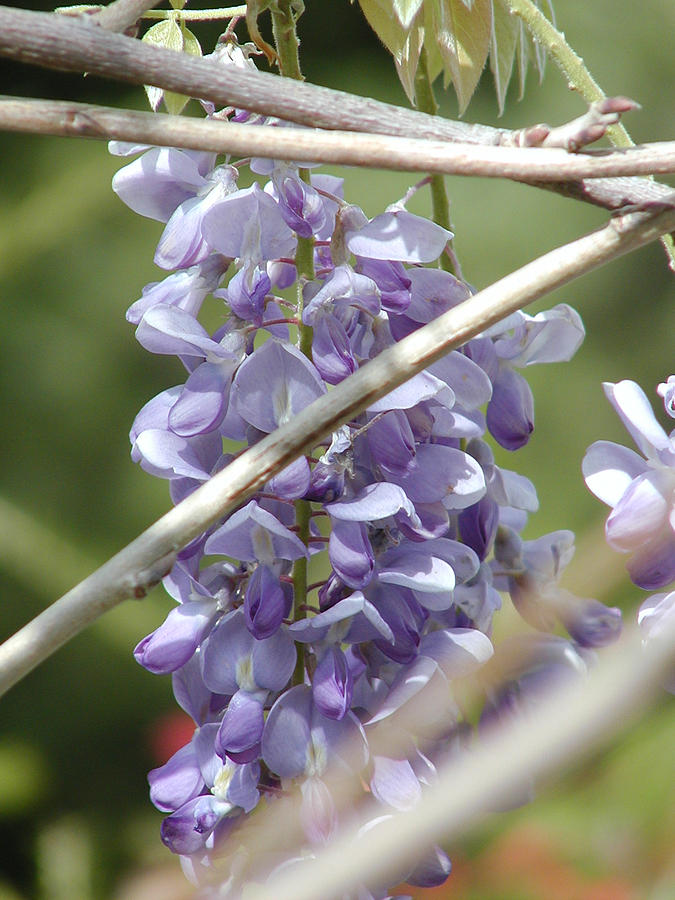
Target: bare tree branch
57, 42
50, 41
121, 14
337, 147
148, 557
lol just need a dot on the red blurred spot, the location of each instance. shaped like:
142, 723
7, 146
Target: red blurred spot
524, 862
169, 733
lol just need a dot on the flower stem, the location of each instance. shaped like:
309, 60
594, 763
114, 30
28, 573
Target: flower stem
287, 45
304, 262
286, 37
425, 101
303, 512
196, 15
285, 14
181, 15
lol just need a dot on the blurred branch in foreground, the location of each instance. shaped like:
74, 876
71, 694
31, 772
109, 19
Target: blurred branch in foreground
567, 723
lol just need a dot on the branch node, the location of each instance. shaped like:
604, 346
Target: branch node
79, 123
146, 579
578, 133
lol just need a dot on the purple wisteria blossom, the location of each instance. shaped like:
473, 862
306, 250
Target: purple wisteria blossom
639, 488
413, 526
530, 571
655, 615
518, 341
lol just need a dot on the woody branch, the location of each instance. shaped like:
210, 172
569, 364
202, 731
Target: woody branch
342, 148
77, 45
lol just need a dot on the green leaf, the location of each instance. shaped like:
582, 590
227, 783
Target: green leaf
175, 103
406, 65
529, 50
386, 26
178, 4
406, 10
190, 43
435, 63
169, 34
398, 24
166, 33
502, 49
463, 40
523, 57
539, 49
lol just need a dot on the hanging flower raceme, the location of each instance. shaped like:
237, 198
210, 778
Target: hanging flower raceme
409, 523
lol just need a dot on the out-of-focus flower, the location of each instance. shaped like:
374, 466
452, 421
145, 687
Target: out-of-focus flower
640, 489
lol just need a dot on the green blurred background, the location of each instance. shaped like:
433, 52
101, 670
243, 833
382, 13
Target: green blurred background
79, 734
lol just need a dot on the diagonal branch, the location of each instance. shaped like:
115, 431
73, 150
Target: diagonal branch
150, 555
58, 42
338, 147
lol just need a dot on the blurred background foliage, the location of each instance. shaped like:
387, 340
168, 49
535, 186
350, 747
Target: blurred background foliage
80, 733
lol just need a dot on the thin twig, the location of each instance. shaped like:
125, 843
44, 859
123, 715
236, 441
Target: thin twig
147, 557
197, 15
341, 148
47, 40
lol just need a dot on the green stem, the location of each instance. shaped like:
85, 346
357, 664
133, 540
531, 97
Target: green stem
196, 15
286, 37
570, 64
181, 15
285, 14
578, 77
287, 45
304, 262
303, 513
425, 101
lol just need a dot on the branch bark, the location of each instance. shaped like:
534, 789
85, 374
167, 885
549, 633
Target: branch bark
148, 557
121, 14
341, 148
75, 45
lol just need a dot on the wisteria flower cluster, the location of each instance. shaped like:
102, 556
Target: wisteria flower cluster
409, 523
641, 492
